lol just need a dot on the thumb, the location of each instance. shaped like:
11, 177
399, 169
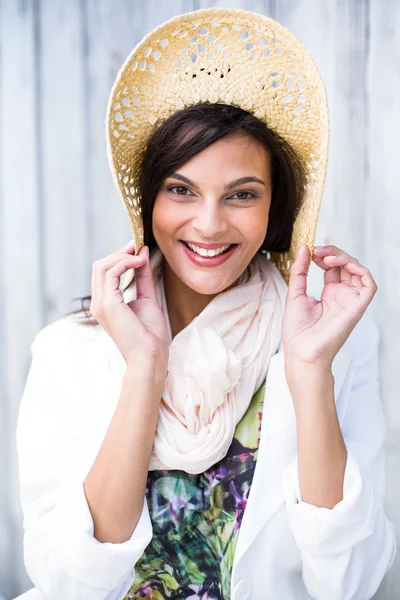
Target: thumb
297, 285
144, 277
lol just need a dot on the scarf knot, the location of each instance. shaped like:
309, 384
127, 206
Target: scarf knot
211, 371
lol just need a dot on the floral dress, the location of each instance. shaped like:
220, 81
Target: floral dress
196, 521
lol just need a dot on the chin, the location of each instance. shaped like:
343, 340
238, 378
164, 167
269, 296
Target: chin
207, 285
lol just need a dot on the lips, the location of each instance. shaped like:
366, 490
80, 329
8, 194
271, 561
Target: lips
209, 261
207, 246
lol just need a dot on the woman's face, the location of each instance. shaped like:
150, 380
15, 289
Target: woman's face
195, 206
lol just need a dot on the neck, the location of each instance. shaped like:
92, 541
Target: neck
183, 303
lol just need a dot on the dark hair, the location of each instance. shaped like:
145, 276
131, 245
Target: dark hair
189, 131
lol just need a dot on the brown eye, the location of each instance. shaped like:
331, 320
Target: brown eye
250, 195
178, 187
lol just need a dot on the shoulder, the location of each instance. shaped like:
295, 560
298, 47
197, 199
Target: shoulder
66, 348
64, 333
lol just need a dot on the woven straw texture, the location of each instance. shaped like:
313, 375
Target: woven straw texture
229, 56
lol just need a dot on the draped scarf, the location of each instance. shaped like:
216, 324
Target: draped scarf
216, 364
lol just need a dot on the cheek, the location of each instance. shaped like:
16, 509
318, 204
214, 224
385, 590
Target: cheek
161, 220
168, 219
253, 224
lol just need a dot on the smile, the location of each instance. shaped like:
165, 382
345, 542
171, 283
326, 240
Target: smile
208, 256
208, 251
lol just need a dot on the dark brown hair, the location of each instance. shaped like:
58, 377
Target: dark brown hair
189, 131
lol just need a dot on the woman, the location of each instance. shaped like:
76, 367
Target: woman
212, 432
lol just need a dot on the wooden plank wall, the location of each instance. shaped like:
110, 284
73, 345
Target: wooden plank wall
59, 210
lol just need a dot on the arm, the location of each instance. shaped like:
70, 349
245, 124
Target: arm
320, 445
62, 555
116, 483
346, 542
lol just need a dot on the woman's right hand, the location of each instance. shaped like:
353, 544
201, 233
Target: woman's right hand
138, 327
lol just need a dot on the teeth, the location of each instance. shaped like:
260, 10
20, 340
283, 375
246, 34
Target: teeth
204, 252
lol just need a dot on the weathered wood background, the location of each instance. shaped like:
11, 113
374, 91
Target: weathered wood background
60, 211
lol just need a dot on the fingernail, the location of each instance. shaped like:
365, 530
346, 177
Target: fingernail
300, 249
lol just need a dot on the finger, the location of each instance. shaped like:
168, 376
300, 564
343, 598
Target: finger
102, 265
322, 251
110, 260
329, 248
144, 277
128, 248
111, 278
100, 268
355, 280
369, 287
337, 273
347, 278
331, 274
350, 279
340, 259
130, 245
297, 285
106, 293
333, 264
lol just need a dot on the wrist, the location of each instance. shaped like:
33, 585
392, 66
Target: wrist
147, 371
318, 367
305, 378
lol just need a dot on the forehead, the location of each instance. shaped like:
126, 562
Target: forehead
231, 153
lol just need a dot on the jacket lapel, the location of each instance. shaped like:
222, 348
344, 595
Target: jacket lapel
278, 440
277, 447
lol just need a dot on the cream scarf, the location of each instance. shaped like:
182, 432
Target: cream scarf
215, 365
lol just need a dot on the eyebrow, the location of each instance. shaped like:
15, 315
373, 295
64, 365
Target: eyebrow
229, 186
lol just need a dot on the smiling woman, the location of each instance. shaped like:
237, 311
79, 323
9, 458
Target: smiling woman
219, 434
244, 186
211, 217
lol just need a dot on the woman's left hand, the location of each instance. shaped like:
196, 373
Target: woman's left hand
313, 330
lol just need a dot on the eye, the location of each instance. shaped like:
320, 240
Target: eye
249, 197
181, 191
177, 187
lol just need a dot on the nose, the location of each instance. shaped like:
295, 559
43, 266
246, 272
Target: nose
211, 220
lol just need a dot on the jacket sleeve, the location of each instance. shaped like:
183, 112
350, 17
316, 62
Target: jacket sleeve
62, 557
347, 550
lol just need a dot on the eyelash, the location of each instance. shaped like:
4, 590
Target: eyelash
252, 195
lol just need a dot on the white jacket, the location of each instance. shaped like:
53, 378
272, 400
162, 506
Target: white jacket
287, 549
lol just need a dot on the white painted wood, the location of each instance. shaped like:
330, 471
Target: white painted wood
63, 153
61, 211
380, 230
20, 259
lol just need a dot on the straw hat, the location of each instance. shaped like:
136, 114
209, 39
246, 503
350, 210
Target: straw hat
229, 56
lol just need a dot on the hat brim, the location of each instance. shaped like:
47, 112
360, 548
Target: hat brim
230, 56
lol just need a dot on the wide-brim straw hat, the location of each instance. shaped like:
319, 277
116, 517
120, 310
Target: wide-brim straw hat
220, 55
